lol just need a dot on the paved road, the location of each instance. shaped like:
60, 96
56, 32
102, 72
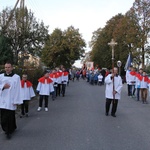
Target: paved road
78, 122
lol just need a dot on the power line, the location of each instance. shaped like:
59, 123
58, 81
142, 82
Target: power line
35, 8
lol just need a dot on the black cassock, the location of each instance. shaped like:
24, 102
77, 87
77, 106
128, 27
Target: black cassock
8, 120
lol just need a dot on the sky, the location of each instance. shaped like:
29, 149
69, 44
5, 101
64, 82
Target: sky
85, 15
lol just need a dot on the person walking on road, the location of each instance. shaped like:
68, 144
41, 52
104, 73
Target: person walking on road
10, 97
100, 77
144, 87
54, 77
132, 81
138, 83
113, 91
64, 81
27, 93
128, 81
44, 88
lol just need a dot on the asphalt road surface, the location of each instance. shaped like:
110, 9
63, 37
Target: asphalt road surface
78, 122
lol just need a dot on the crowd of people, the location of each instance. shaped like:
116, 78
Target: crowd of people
93, 76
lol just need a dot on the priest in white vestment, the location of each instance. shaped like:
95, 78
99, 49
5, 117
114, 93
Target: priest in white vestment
10, 97
113, 91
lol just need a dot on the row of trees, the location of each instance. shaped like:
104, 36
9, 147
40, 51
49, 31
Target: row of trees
26, 35
131, 31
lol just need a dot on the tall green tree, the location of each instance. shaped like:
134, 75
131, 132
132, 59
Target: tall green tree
126, 31
26, 33
141, 9
5, 50
63, 47
102, 53
52, 51
126, 34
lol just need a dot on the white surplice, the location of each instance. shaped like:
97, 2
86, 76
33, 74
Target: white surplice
45, 88
10, 97
27, 92
109, 87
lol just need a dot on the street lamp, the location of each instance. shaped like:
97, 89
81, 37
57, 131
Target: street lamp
119, 63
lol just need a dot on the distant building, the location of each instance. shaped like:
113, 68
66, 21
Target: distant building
33, 60
28, 60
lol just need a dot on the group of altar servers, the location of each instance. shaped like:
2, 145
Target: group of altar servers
15, 91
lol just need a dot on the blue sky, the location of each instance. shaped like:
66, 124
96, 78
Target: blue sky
87, 15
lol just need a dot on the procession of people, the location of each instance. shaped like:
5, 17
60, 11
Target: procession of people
16, 91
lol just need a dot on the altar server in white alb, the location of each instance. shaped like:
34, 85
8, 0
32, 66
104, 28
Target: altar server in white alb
132, 81
54, 77
128, 81
64, 81
10, 97
44, 88
144, 87
59, 81
27, 93
112, 94
100, 78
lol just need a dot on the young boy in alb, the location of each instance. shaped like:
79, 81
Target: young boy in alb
27, 93
44, 88
100, 78
54, 77
144, 87
132, 81
64, 81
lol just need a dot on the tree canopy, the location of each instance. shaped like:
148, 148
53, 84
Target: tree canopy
5, 49
130, 31
26, 34
63, 47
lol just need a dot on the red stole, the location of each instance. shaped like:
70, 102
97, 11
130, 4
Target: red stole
42, 80
139, 76
53, 75
65, 73
29, 84
60, 74
133, 73
145, 78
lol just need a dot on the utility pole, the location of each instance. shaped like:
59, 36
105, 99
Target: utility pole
21, 17
22, 4
10, 17
11, 14
22, 13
